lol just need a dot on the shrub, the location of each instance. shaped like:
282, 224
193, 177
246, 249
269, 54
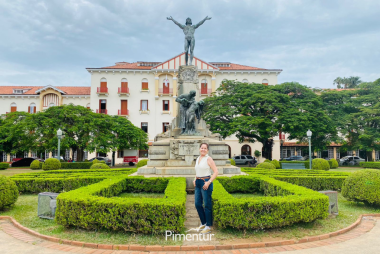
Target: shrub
233, 163
4, 165
257, 153
333, 163
99, 166
96, 207
76, 165
370, 165
364, 186
51, 164
8, 192
284, 204
142, 163
266, 165
95, 161
267, 160
276, 163
320, 164
35, 164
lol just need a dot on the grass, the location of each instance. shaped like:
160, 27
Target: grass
25, 212
346, 169
141, 195
14, 171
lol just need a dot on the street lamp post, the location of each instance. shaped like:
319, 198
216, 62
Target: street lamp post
308, 133
59, 135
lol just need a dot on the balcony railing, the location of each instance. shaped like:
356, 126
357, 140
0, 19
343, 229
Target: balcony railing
123, 90
102, 90
123, 112
206, 92
162, 91
102, 111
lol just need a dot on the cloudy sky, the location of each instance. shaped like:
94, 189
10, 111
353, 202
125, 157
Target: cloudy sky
53, 41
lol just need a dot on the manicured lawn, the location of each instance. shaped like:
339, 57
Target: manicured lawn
14, 171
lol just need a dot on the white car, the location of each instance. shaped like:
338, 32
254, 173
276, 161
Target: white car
350, 160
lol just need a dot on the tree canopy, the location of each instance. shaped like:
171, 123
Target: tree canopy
350, 82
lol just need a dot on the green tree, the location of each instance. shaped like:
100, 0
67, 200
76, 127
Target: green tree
351, 82
256, 112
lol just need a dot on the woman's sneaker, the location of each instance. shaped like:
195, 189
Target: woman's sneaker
206, 231
201, 227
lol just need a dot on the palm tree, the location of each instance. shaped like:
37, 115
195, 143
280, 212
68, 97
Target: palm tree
353, 82
338, 81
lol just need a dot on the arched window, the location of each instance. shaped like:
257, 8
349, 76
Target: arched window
103, 86
52, 104
124, 86
32, 108
166, 86
246, 150
144, 84
204, 87
49, 99
88, 106
265, 82
13, 107
245, 81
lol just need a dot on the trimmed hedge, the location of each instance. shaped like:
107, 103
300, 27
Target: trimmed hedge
312, 179
364, 186
307, 164
370, 165
320, 164
8, 192
76, 165
284, 204
266, 165
333, 163
99, 166
4, 165
142, 163
51, 164
276, 163
64, 180
233, 163
96, 207
35, 164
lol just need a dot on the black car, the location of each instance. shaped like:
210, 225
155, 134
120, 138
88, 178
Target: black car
295, 158
25, 162
106, 159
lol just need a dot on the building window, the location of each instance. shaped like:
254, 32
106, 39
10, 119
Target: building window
144, 127
51, 104
18, 91
144, 84
32, 108
265, 82
144, 105
166, 86
13, 107
120, 154
246, 150
143, 153
165, 127
124, 108
165, 105
245, 81
103, 106
204, 86
103, 85
88, 106
124, 86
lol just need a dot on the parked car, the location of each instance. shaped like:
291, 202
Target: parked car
25, 162
61, 159
106, 159
244, 159
350, 160
295, 158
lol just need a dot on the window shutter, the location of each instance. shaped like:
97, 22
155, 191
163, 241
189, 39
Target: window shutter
140, 104
144, 85
29, 109
13, 109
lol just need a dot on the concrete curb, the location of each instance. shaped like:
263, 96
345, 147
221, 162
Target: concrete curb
156, 248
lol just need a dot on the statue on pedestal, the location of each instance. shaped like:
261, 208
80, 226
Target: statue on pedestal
185, 100
189, 30
189, 111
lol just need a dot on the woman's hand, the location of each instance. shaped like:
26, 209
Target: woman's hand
194, 183
205, 186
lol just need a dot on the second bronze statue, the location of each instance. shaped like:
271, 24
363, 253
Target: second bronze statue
189, 30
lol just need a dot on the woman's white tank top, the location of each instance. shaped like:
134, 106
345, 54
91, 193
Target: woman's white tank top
202, 168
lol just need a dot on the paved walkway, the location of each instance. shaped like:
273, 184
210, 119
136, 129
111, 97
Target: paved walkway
363, 239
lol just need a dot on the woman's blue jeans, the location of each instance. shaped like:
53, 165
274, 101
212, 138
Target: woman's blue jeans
203, 202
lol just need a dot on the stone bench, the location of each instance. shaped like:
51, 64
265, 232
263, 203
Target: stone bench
285, 165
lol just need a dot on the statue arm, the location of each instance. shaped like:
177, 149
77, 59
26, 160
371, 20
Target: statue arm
201, 22
175, 22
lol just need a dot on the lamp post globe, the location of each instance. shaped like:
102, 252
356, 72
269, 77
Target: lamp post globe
59, 135
308, 134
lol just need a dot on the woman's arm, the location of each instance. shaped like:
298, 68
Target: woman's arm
212, 165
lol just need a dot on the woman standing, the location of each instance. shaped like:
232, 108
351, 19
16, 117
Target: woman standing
204, 168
